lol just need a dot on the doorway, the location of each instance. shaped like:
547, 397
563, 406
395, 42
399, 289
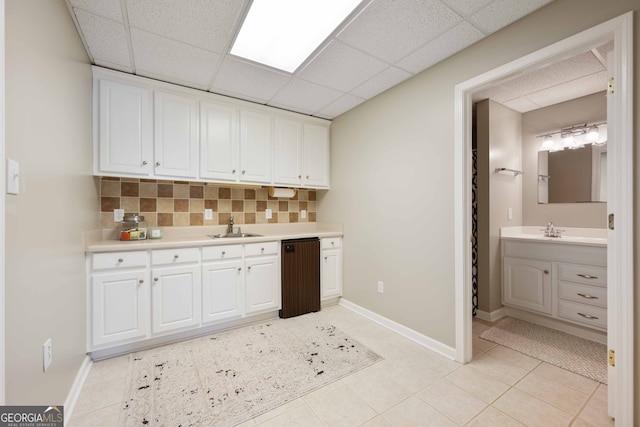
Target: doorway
620, 239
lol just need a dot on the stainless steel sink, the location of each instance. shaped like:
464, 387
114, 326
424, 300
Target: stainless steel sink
233, 235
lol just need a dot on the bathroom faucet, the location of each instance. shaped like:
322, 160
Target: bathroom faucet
230, 226
551, 231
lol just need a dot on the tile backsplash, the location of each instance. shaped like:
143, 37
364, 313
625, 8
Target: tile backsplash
180, 204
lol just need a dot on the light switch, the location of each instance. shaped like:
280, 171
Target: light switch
510, 214
208, 214
13, 177
118, 215
268, 213
303, 214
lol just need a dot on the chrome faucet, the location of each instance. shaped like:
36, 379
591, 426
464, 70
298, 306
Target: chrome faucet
551, 231
230, 226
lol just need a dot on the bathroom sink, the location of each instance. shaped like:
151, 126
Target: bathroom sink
233, 235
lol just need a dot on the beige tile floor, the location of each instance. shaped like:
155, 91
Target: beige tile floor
412, 386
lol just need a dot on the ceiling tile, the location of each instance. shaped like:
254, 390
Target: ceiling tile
107, 64
389, 77
501, 13
467, 7
203, 23
300, 95
175, 61
242, 78
106, 39
574, 89
498, 93
578, 66
109, 8
341, 105
522, 105
341, 67
451, 42
391, 29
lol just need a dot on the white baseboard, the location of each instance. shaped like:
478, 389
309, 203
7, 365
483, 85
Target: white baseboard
425, 341
491, 316
76, 388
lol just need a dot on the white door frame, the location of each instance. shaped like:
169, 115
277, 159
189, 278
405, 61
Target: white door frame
2, 208
620, 243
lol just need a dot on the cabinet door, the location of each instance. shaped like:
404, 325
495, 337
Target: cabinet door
331, 273
219, 144
175, 298
255, 147
119, 302
125, 136
176, 136
222, 292
287, 154
527, 284
315, 165
262, 284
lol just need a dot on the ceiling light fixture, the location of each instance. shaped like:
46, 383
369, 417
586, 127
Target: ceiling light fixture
283, 33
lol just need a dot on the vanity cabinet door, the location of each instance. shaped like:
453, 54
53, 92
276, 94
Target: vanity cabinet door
527, 284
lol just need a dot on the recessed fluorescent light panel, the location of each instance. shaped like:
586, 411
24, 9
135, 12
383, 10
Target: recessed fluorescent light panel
283, 33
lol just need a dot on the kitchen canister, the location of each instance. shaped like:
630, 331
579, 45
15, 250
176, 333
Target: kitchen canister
133, 227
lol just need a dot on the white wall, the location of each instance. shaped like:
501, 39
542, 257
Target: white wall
392, 173
499, 144
587, 109
48, 130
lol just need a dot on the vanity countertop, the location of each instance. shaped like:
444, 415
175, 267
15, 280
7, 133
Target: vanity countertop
176, 237
570, 235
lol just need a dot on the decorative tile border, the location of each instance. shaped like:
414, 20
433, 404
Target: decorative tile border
180, 203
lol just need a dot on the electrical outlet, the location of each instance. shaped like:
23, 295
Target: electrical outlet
208, 214
380, 287
303, 214
268, 213
13, 177
510, 214
47, 354
118, 215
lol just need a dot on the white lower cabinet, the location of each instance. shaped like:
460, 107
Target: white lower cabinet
118, 306
222, 283
175, 298
527, 284
262, 277
331, 268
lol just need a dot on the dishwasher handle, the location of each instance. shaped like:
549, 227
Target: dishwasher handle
289, 248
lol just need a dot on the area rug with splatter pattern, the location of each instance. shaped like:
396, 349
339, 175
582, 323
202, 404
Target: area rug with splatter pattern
230, 377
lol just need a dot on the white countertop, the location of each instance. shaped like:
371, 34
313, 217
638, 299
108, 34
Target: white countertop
570, 235
175, 237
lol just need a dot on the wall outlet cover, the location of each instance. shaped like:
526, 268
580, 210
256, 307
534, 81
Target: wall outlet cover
208, 214
118, 215
47, 354
380, 287
13, 177
303, 214
268, 213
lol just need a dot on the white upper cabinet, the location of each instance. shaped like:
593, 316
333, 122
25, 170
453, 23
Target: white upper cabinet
219, 144
315, 163
150, 129
175, 136
255, 147
287, 156
124, 129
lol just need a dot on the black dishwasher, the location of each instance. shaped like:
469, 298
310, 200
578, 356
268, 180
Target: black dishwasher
300, 276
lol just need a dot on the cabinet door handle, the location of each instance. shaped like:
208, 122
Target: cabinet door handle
140, 282
249, 268
120, 260
262, 250
243, 172
176, 256
223, 253
155, 279
588, 316
299, 176
546, 272
144, 163
233, 171
586, 276
157, 163
307, 176
239, 269
587, 296
325, 258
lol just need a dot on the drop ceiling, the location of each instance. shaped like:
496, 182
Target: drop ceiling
382, 43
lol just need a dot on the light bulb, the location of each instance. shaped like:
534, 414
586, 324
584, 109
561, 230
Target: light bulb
593, 133
567, 139
547, 143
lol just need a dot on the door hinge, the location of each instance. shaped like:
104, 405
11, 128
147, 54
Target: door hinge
611, 221
610, 90
612, 358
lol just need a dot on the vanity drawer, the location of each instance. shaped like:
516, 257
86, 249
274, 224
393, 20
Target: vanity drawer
213, 253
266, 248
589, 275
587, 315
175, 256
583, 294
331, 242
119, 260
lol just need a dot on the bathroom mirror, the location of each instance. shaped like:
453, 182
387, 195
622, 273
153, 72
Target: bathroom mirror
573, 175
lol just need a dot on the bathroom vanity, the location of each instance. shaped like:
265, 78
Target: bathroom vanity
561, 279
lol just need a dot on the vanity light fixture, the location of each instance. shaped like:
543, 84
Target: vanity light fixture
573, 137
283, 33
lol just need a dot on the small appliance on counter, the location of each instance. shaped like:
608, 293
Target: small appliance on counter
133, 227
